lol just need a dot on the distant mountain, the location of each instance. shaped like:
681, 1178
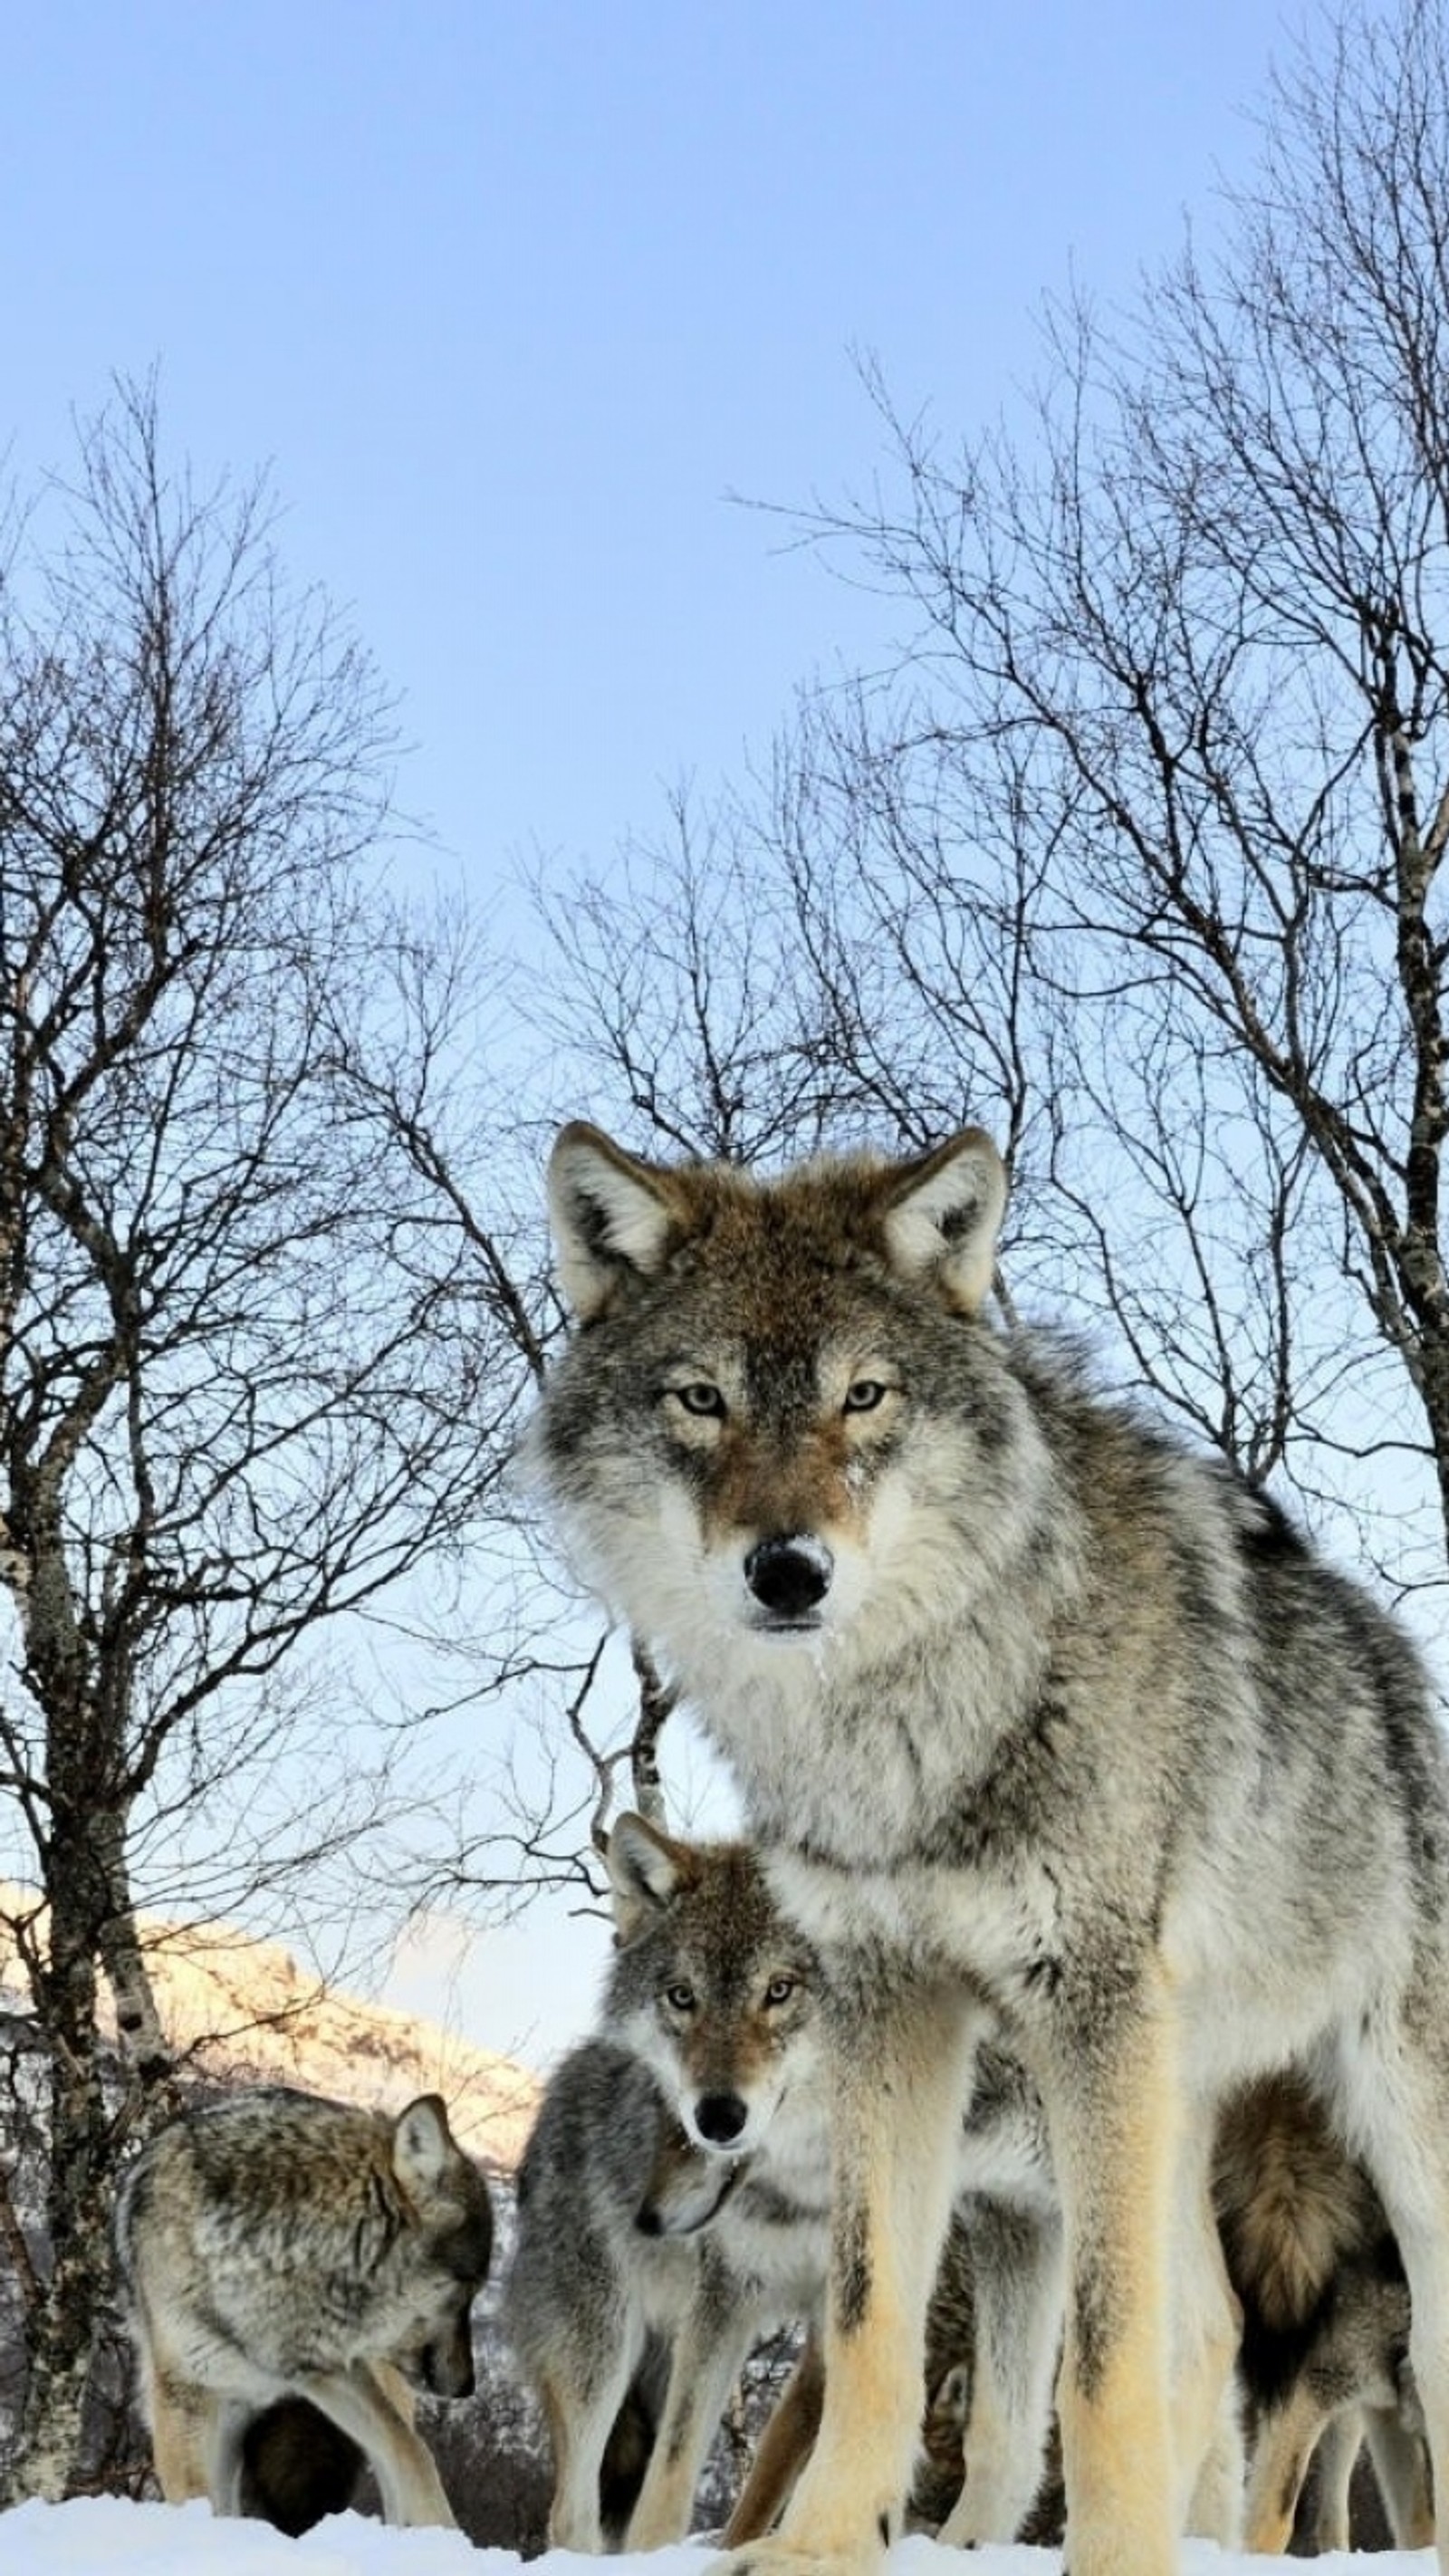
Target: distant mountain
241, 2011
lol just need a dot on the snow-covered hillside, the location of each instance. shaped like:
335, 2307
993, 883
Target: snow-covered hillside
243, 2012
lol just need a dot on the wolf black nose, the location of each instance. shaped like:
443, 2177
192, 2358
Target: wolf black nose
720, 2117
789, 1575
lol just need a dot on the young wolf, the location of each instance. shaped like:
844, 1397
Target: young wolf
1052, 1724
275, 2246
675, 2189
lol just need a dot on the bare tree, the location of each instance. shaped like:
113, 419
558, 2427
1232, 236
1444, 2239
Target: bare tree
1135, 849
247, 1382
1204, 615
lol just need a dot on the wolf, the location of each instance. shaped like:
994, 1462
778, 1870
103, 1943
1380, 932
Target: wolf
1054, 1728
1324, 2328
673, 2197
274, 2246
1326, 2321
698, 2117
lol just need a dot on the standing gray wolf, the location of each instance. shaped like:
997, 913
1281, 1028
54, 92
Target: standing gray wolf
275, 2246
673, 2198
1053, 1727
1326, 2322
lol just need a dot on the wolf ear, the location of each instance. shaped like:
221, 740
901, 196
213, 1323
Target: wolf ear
943, 1214
422, 2143
609, 1214
645, 1870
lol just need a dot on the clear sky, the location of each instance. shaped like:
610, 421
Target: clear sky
511, 298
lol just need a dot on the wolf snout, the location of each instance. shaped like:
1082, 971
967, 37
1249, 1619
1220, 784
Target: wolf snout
790, 1577
720, 2117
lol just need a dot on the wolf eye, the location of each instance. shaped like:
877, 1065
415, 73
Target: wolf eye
780, 1989
699, 1397
680, 1999
864, 1394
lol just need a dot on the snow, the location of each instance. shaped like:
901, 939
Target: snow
100, 2536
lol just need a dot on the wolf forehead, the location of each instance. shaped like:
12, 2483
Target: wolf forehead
707, 1906
781, 1260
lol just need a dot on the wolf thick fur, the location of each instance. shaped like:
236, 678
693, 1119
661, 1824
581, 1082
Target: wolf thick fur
297, 2467
1053, 1726
1326, 2321
275, 2245
676, 2183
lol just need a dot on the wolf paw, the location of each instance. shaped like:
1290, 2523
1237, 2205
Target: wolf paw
778, 2556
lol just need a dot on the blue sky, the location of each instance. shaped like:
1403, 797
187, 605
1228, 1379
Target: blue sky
511, 298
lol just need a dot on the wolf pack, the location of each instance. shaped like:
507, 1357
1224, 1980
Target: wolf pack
1060, 2051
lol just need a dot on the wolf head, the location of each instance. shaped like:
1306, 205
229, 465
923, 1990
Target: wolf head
781, 1424
713, 1990
450, 2243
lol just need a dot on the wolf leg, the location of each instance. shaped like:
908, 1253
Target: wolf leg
1397, 2093
1215, 2510
1286, 2440
406, 2473
1401, 2465
1207, 2323
901, 2083
225, 2455
1115, 2115
1017, 2267
783, 2448
183, 2422
581, 2408
709, 2352
1334, 2462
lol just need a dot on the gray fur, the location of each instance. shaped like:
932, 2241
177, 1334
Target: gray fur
635, 2228
1073, 1740
277, 2245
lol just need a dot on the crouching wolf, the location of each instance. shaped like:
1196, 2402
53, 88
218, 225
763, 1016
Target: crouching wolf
1053, 1726
277, 2246
673, 2198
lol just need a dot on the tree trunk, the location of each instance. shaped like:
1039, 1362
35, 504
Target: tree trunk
77, 2205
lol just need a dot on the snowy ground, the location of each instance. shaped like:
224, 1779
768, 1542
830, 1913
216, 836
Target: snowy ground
109, 2538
